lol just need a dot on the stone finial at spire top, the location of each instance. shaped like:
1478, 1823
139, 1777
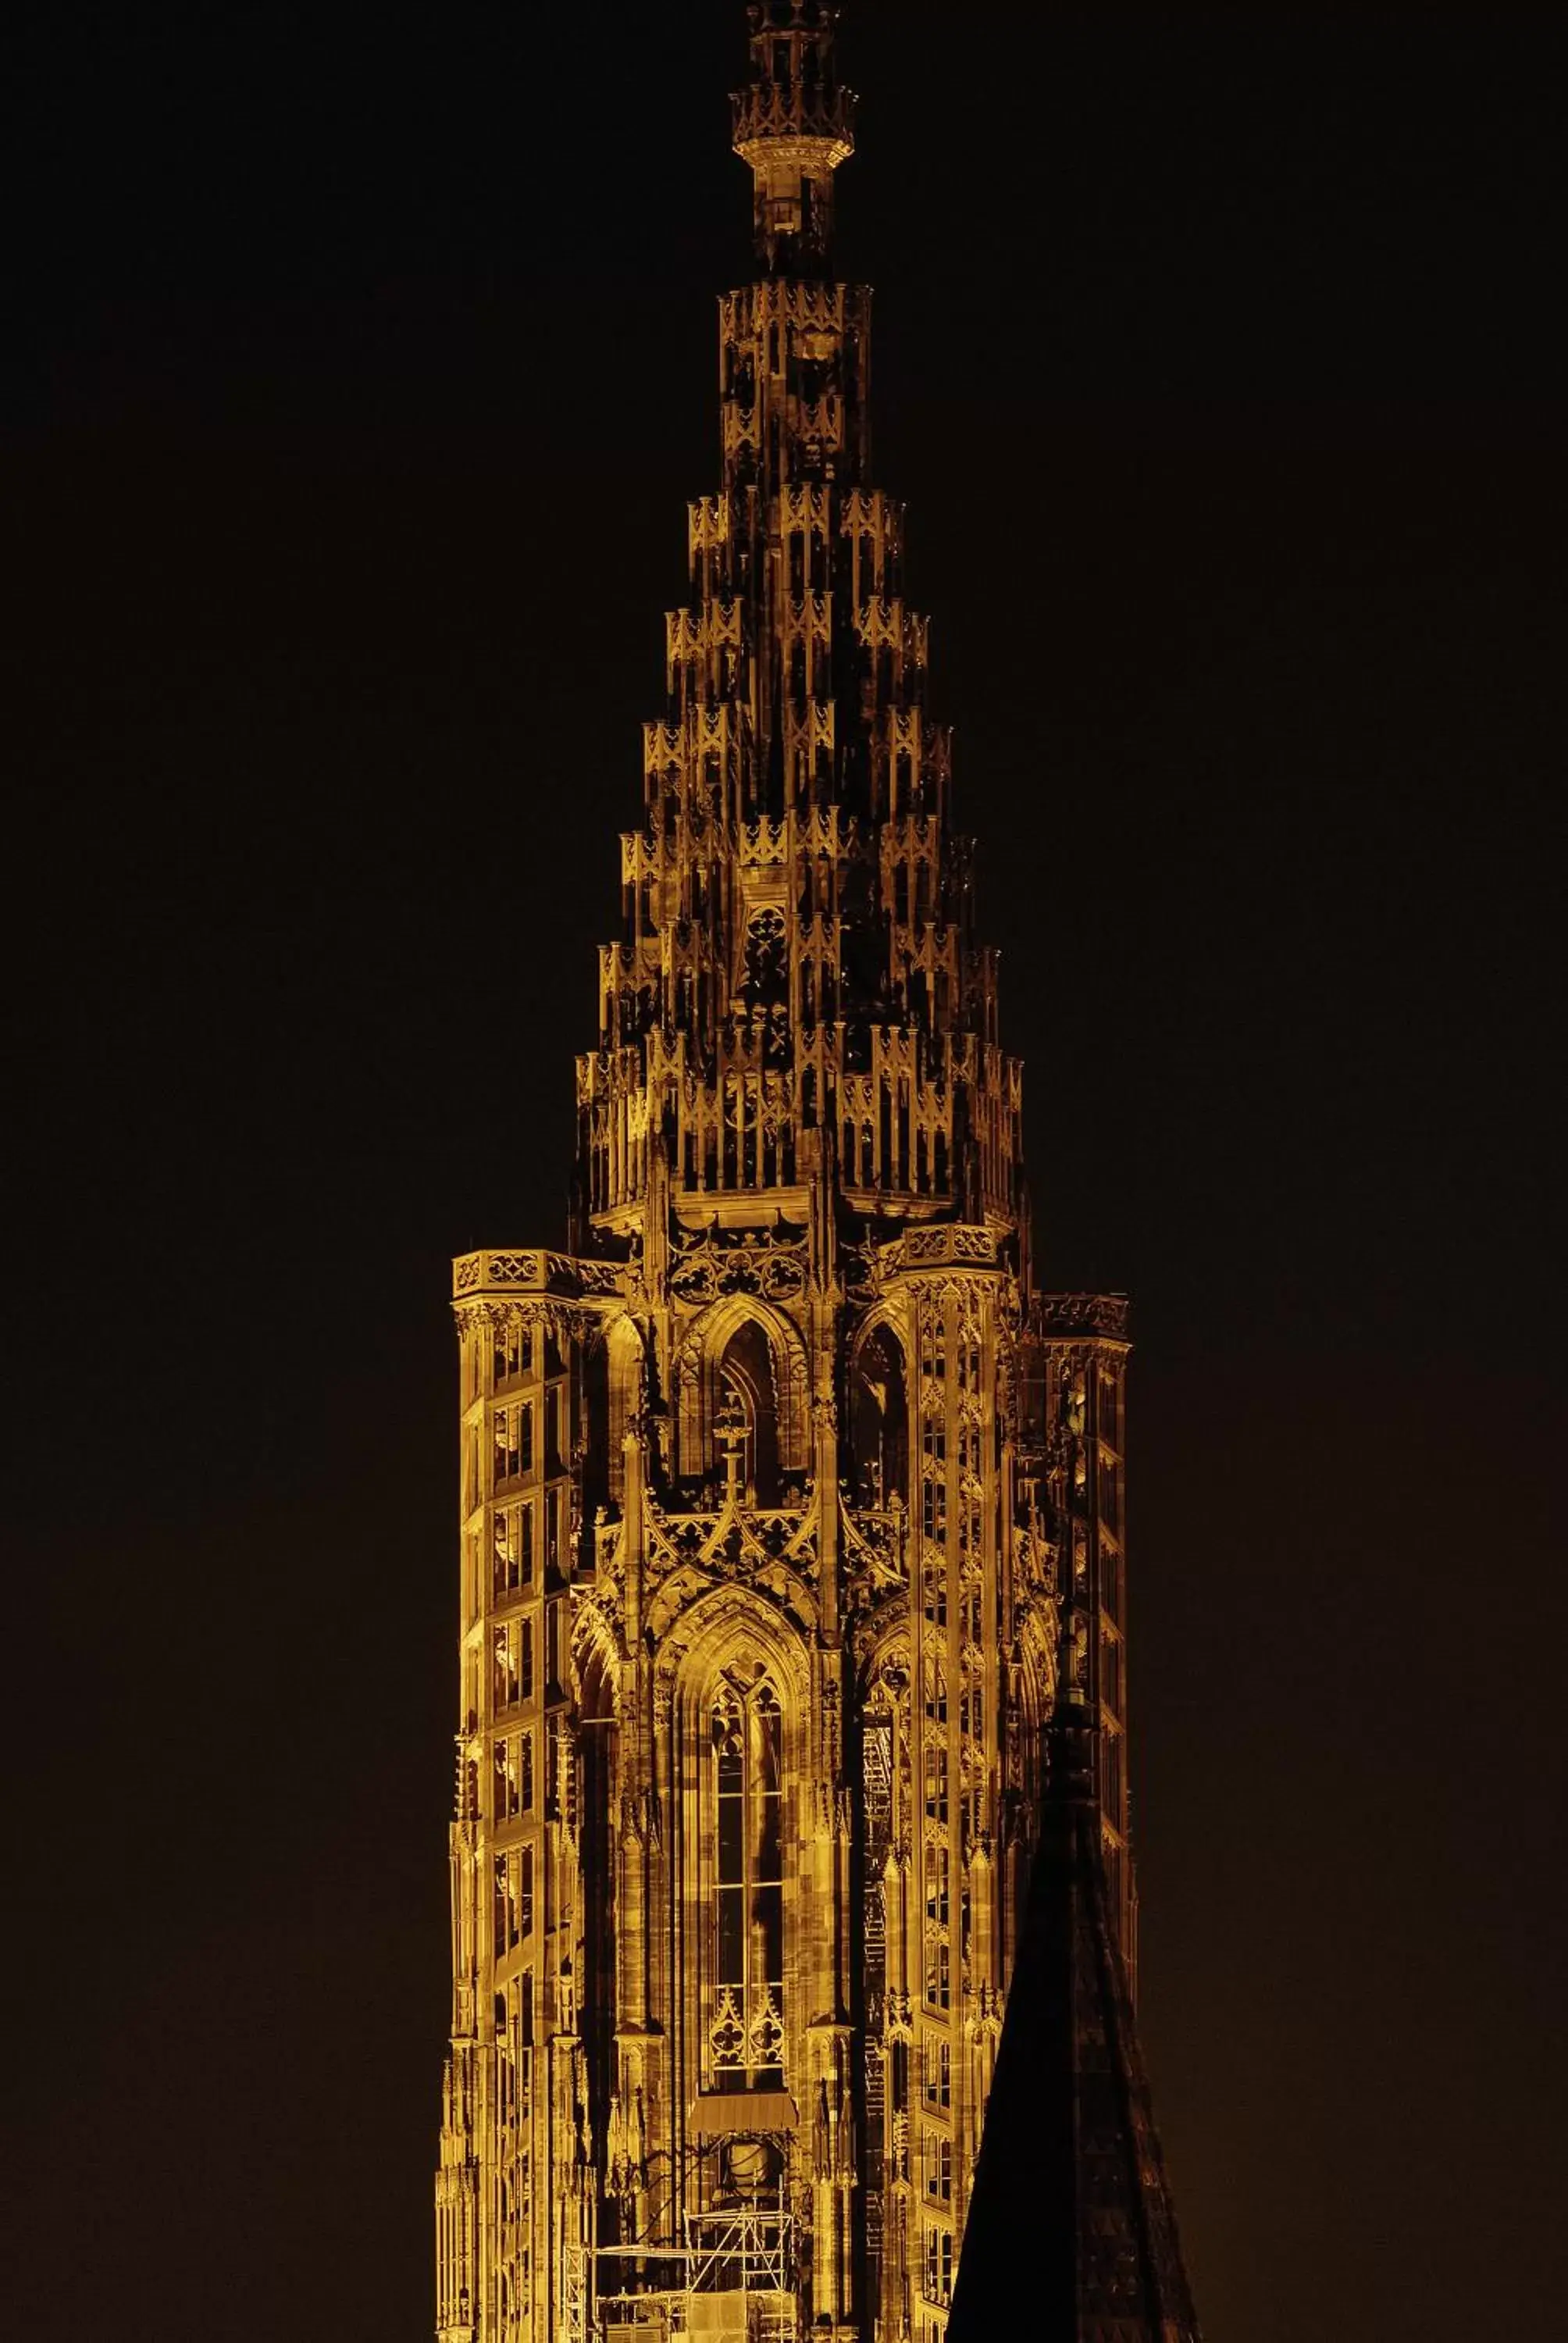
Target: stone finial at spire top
794, 125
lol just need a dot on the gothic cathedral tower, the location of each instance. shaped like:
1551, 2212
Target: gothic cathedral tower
791, 1510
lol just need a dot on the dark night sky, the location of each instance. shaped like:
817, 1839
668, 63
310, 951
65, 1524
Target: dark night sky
364, 365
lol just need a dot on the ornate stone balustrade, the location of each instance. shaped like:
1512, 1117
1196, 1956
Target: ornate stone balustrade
950, 1245
1084, 1313
478, 1274
779, 110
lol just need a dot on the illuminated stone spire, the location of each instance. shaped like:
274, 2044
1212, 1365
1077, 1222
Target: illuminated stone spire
797, 979
772, 1488
794, 125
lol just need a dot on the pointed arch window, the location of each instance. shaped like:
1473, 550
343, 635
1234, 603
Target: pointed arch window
879, 1420
744, 1847
747, 1378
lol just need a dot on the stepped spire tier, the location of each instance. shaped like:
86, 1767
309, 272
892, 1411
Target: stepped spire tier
797, 982
794, 124
777, 1487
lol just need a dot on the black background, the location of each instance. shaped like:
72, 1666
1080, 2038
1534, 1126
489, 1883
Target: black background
364, 362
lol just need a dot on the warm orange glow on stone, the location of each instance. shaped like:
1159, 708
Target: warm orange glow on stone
783, 1495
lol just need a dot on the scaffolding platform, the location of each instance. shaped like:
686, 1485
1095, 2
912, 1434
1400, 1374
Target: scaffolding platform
732, 2281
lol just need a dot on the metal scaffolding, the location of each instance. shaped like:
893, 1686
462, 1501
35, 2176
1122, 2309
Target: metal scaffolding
732, 2281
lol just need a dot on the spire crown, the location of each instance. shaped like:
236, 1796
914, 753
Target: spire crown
794, 125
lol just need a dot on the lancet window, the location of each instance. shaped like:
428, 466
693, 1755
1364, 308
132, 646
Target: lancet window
744, 1845
878, 1418
747, 1381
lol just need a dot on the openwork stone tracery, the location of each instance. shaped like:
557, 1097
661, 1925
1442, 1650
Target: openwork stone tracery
777, 1487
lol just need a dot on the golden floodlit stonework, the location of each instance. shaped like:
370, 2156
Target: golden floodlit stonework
787, 1496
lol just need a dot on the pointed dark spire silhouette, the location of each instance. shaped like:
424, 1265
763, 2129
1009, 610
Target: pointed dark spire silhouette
1071, 2234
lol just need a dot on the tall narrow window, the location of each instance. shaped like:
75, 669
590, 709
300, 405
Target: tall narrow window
878, 1419
505, 1443
936, 1782
503, 1907
939, 2163
938, 1861
745, 2028
505, 1801
939, 2266
1113, 1775
513, 1548
746, 1377
504, 1668
938, 2069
